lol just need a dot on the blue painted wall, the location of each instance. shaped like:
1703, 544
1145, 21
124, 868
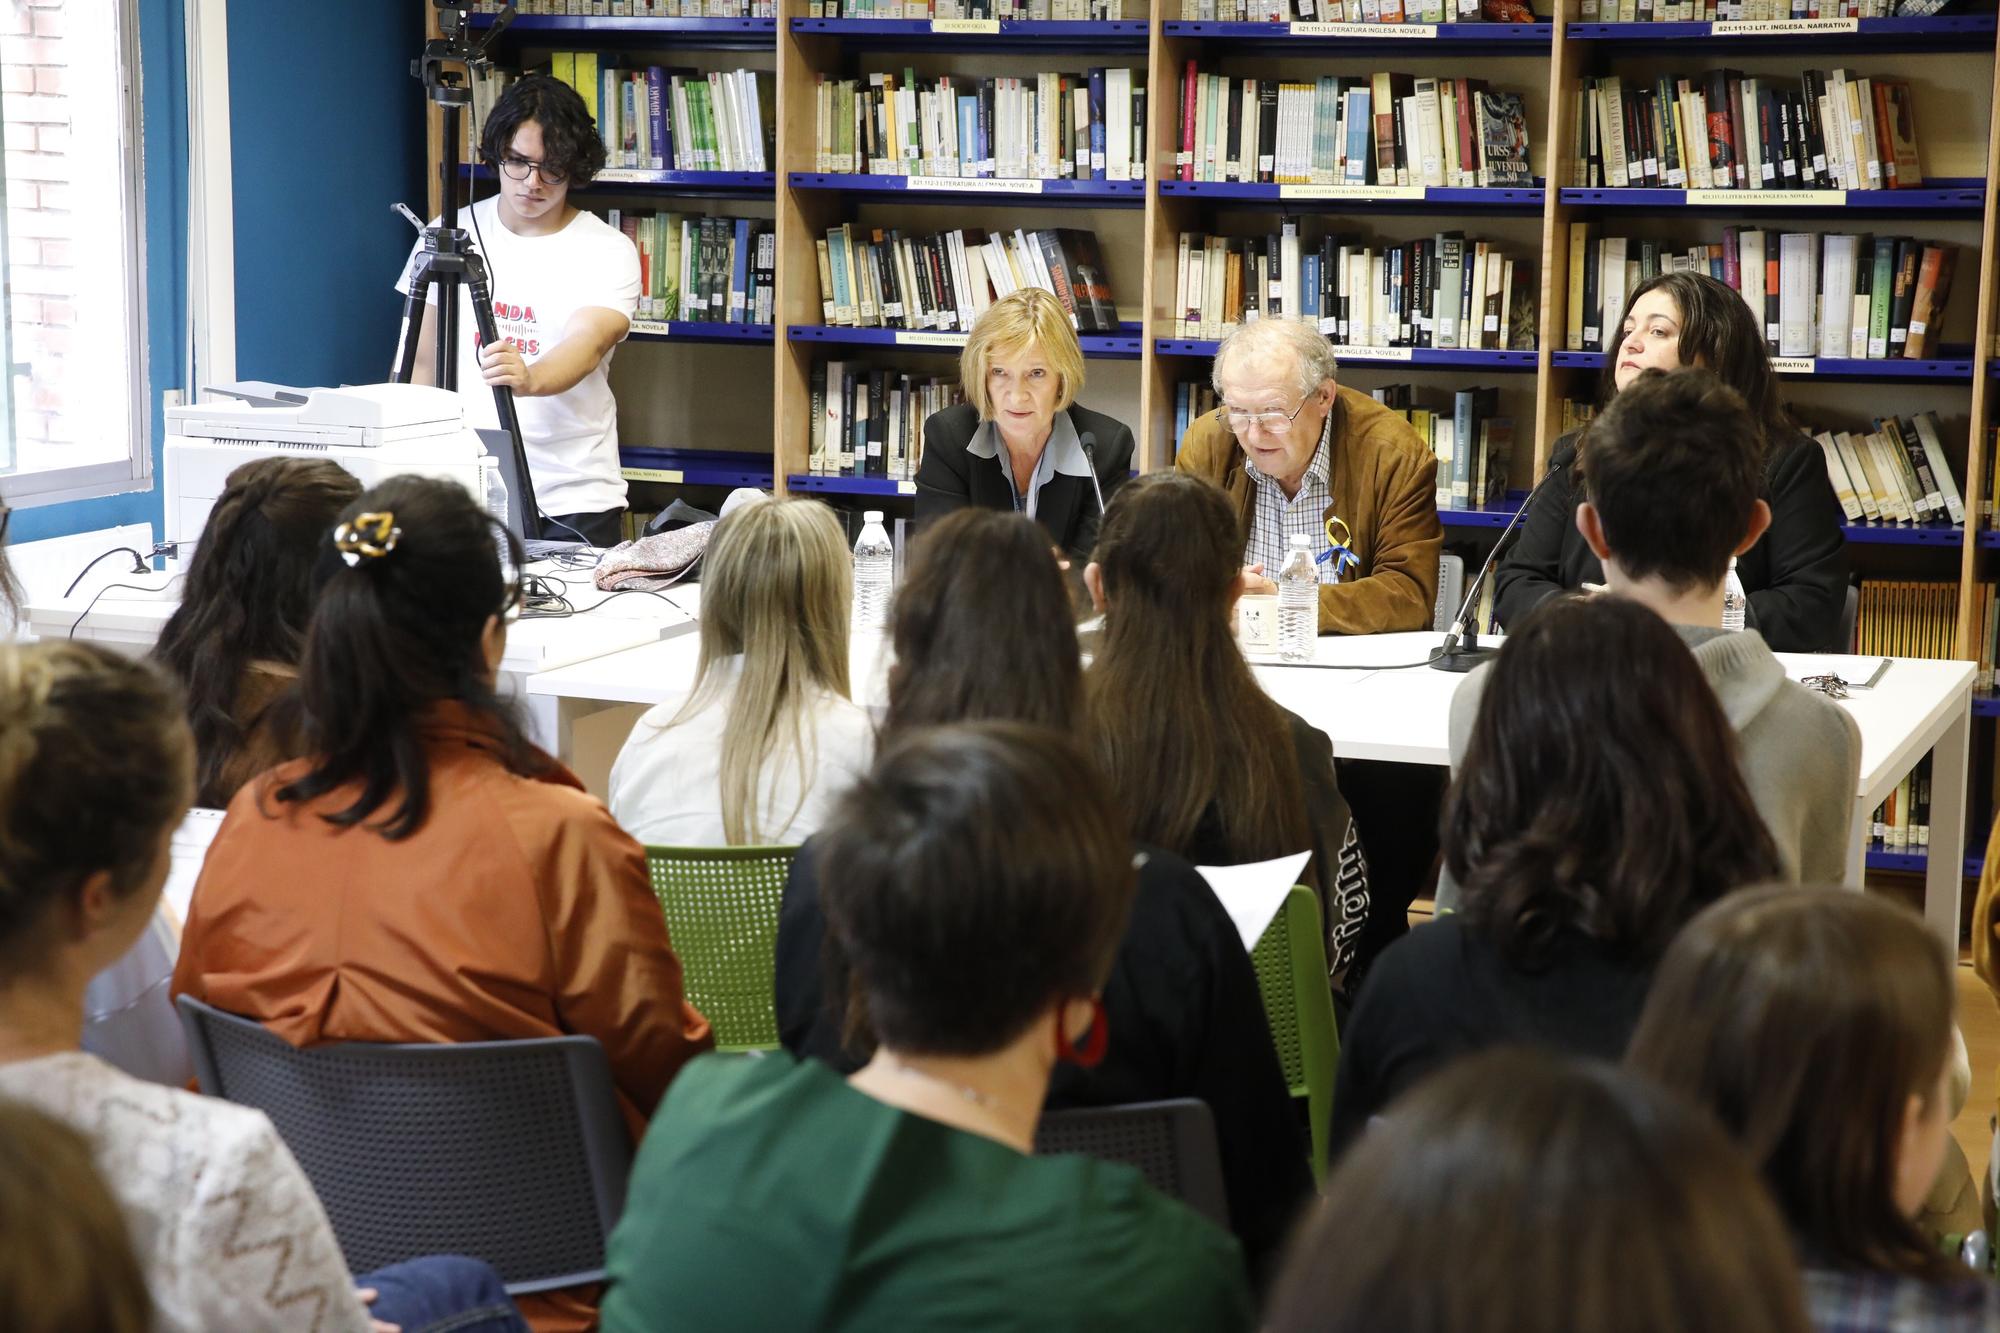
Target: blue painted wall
163, 108
317, 249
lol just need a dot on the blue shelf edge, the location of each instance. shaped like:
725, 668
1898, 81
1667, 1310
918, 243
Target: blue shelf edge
1114, 34
883, 486
1956, 194
1433, 358
1988, 540
1100, 346
701, 331
1943, 27
1512, 34
1916, 863
1899, 534
1132, 193
1954, 369
1434, 196
651, 25
1498, 517
1986, 705
700, 467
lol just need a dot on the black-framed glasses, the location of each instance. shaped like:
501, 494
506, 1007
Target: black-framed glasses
1271, 423
517, 169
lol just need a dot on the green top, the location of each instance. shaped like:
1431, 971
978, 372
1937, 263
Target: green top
771, 1195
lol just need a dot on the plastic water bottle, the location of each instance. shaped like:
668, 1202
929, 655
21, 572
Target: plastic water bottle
874, 559
1298, 603
1735, 603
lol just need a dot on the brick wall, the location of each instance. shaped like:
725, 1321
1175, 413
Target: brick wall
37, 52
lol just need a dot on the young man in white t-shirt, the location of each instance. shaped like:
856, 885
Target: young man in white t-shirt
565, 285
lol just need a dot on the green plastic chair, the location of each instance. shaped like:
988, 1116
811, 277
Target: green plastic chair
721, 905
1291, 972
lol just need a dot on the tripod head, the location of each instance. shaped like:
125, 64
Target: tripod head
455, 46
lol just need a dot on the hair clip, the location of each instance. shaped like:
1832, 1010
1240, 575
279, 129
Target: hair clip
1832, 686
367, 537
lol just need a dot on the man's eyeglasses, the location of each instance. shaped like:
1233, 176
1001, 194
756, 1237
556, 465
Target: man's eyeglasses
517, 168
1271, 423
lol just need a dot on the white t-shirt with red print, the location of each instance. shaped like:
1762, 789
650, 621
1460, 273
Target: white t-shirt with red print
539, 282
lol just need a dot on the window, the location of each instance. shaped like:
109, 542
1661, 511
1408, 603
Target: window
71, 392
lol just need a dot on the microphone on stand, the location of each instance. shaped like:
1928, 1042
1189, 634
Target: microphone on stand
1089, 442
1460, 650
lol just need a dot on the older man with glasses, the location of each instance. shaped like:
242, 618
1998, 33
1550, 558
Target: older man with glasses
1300, 454
565, 285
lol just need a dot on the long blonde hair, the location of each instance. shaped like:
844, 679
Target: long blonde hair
775, 591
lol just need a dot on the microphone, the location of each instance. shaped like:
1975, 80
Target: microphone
1449, 655
1089, 442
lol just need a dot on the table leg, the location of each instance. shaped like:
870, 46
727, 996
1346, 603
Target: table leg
1860, 834
1944, 874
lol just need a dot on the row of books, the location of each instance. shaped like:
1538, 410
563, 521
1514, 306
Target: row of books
658, 9
1752, 11
1986, 651
1380, 129
1059, 11
1904, 618
660, 119
1447, 292
1356, 11
1902, 823
885, 279
1833, 295
1723, 130
1048, 126
869, 422
703, 269
1473, 443
1896, 473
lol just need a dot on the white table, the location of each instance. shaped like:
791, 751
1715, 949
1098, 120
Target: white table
1402, 715
131, 619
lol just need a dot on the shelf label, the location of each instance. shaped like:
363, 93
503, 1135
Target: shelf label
906, 488
653, 328
1352, 193
987, 26
1404, 31
1769, 27
1794, 365
973, 184
918, 338
622, 175
671, 476
1373, 353
1770, 198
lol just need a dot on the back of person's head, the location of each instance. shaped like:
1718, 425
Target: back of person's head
66, 1260
409, 581
1814, 1023
1180, 721
776, 587
96, 768
1673, 466
10, 589
1718, 332
1518, 1190
975, 879
248, 595
982, 628
571, 144
1600, 792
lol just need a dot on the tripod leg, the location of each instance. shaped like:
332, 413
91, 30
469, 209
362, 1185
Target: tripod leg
413, 323
447, 336
503, 397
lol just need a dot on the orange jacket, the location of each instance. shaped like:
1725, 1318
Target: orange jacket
518, 909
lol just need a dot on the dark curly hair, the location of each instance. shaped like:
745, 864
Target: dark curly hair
1600, 793
570, 141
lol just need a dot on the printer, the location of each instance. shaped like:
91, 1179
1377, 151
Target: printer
374, 431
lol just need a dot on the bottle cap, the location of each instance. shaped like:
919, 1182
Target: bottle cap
871, 516
1300, 539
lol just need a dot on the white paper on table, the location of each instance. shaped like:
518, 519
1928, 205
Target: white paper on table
1253, 893
1853, 670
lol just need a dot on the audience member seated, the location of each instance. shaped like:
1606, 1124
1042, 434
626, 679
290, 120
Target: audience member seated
1671, 471
981, 632
1519, 1191
1021, 442
66, 1259
427, 874
1202, 761
96, 769
977, 885
1598, 808
234, 642
1299, 454
1796, 576
1817, 1026
766, 740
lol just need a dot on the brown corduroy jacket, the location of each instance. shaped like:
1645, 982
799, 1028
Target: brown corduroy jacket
1384, 487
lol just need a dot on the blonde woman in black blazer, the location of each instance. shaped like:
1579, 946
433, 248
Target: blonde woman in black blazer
1020, 441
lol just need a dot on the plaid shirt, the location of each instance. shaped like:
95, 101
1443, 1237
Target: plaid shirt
1850, 1302
1277, 519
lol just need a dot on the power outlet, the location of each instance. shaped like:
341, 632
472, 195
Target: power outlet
171, 398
